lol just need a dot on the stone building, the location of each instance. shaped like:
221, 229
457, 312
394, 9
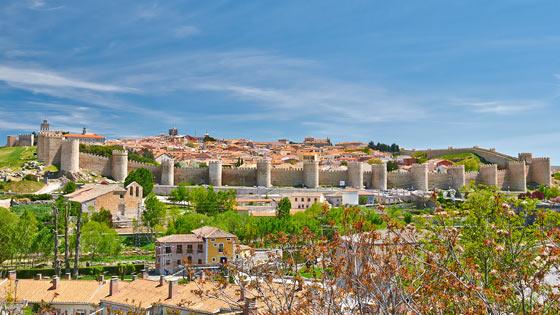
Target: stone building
124, 203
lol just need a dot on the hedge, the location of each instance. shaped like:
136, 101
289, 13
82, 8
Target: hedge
92, 270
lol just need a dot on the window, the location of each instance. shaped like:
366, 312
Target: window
200, 261
189, 259
137, 191
132, 191
200, 248
213, 259
168, 249
221, 248
167, 262
189, 248
315, 199
308, 199
178, 262
295, 198
229, 239
179, 249
121, 196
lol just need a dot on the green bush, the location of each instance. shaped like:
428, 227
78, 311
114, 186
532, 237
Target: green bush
92, 270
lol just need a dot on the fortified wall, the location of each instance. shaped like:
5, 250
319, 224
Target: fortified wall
23, 140
511, 174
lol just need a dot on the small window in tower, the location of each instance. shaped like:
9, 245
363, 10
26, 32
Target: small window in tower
137, 191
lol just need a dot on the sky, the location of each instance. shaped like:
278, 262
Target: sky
422, 74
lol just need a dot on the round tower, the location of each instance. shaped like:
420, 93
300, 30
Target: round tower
356, 175
311, 173
119, 165
517, 176
457, 174
419, 173
168, 172
379, 176
488, 175
215, 173
264, 168
70, 156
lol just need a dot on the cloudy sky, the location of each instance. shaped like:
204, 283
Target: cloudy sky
418, 73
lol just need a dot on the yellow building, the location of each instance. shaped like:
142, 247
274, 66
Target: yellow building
219, 245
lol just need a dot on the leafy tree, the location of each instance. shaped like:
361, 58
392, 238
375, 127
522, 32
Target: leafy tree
393, 148
143, 177
421, 157
103, 216
154, 215
209, 201
8, 227
283, 208
374, 161
179, 194
362, 200
70, 187
99, 240
392, 166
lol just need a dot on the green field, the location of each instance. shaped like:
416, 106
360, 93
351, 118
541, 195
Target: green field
22, 187
14, 157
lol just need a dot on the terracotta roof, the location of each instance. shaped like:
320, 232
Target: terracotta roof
209, 231
179, 238
92, 191
75, 291
82, 136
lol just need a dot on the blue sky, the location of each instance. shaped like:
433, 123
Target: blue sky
418, 73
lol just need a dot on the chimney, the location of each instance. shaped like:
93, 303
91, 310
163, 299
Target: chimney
101, 278
250, 307
172, 289
114, 286
38, 276
55, 283
161, 280
144, 274
68, 276
12, 275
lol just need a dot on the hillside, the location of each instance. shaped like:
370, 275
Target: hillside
14, 157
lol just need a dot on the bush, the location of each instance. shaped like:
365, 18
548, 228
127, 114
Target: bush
70, 187
91, 270
143, 177
556, 176
407, 217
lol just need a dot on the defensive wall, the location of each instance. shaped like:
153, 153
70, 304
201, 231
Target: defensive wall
23, 140
514, 175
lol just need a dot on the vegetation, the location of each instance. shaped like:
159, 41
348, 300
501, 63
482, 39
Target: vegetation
421, 157
100, 240
393, 148
142, 177
23, 186
70, 187
144, 156
374, 161
556, 175
154, 215
205, 200
283, 208
470, 160
15, 157
392, 166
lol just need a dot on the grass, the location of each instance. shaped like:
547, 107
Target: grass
23, 187
456, 157
14, 157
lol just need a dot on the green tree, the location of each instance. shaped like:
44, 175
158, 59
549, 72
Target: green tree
99, 240
392, 166
179, 194
143, 177
8, 227
283, 208
70, 187
154, 215
102, 216
362, 200
25, 233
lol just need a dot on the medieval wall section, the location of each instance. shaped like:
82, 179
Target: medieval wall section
439, 181
191, 175
287, 177
332, 178
242, 176
397, 179
95, 163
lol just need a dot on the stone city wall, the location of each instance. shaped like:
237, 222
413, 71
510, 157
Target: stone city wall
287, 177
242, 176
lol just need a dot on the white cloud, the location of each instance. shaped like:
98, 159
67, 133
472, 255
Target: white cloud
186, 30
37, 77
501, 107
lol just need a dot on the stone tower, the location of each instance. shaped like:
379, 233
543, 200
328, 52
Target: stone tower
356, 175
540, 171
527, 157
488, 175
119, 165
168, 172
70, 156
44, 126
49, 148
264, 168
419, 176
215, 173
311, 172
516, 172
379, 176
457, 174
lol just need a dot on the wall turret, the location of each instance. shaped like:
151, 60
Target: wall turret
457, 174
168, 172
119, 165
419, 176
215, 173
527, 157
356, 175
541, 171
379, 176
516, 173
264, 168
488, 175
51, 147
70, 156
311, 173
